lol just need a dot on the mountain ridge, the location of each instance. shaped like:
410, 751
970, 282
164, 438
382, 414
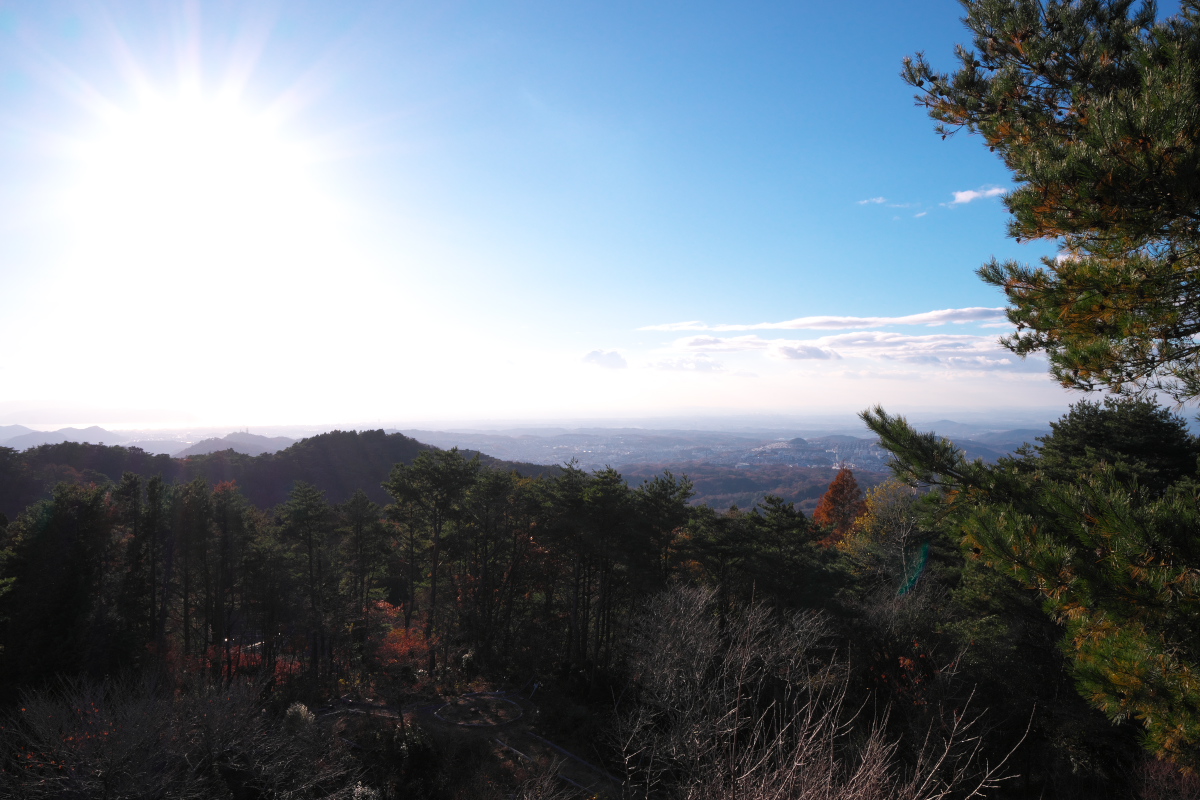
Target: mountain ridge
337, 462
244, 442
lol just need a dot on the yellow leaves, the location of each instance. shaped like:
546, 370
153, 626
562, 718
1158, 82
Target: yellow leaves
888, 519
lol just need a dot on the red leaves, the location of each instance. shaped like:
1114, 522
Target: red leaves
840, 506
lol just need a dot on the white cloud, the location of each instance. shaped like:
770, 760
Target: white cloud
875, 375
941, 317
609, 359
943, 350
872, 200
918, 216
885, 344
961, 198
798, 352
979, 362
717, 344
698, 363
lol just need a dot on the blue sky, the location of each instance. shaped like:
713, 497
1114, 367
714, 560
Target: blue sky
302, 212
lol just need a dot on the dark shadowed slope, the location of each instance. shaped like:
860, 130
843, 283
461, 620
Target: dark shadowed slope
338, 463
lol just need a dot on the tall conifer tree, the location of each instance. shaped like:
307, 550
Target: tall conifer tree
1095, 107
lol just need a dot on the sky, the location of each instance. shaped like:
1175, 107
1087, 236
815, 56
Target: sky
353, 212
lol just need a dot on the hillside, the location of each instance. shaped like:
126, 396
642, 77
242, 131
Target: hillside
9, 431
250, 444
338, 462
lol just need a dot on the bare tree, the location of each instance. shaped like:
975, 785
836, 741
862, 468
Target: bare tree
756, 710
130, 739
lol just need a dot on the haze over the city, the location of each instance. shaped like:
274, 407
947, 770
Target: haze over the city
395, 214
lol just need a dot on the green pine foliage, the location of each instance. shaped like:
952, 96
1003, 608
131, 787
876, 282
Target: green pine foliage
1095, 107
59, 562
1145, 444
1115, 565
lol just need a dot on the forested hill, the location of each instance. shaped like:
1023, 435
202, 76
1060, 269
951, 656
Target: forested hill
338, 463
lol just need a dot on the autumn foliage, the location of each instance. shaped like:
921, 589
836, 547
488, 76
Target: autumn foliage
840, 506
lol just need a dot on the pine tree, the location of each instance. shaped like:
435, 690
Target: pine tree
1147, 444
431, 493
1117, 567
1095, 108
309, 522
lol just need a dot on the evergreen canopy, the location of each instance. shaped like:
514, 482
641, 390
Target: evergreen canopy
1095, 107
1117, 567
1145, 443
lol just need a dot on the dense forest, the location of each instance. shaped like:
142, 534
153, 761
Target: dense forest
682, 649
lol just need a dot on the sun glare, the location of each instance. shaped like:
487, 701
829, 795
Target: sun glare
189, 173
203, 217
200, 229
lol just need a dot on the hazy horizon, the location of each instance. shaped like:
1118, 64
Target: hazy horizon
714, 420
729, 423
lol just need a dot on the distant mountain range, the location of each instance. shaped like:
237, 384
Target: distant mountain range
27, 438
18, 437
250, 444
9, 431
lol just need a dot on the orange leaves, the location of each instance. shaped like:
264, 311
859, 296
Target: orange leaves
403, 648
840, 506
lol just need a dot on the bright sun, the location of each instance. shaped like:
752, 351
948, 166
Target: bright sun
192, 182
